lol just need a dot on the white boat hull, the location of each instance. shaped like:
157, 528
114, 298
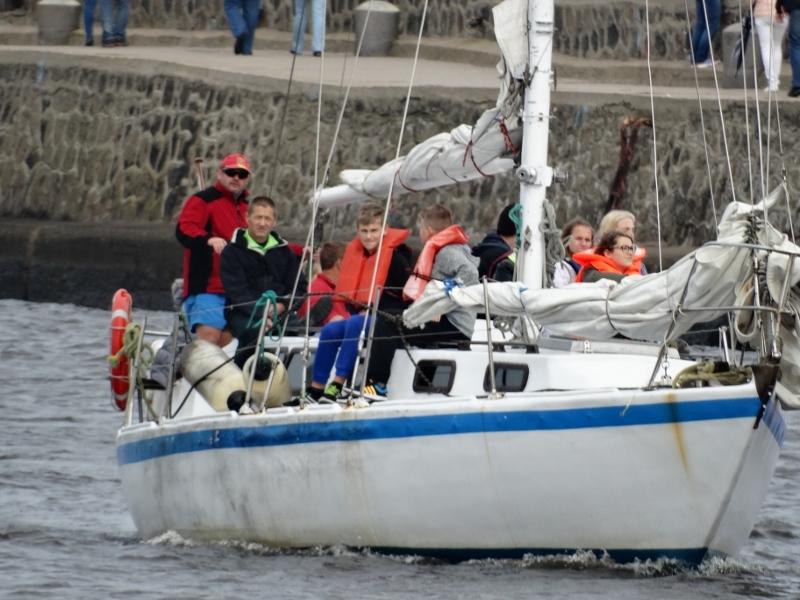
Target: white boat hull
678, 473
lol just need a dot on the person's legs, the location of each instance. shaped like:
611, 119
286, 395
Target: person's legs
778, 31
794, 46
348, 353
250, 12
299, 18
88, 20
706, 25
121, 20
318, 25
205, 314
233, 12
246, 336
330, 338
385, 340
770, 35
107, 18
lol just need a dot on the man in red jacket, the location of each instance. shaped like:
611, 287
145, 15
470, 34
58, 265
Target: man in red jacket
205, 225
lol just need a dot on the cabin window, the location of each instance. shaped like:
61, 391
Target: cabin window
507, 377
434, 376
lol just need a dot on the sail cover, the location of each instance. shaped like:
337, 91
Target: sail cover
695, 289
468, 152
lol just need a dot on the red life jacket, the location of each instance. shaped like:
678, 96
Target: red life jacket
589, 259
424, 267
357, 266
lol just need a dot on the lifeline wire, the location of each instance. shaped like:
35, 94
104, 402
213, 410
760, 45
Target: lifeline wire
653, 120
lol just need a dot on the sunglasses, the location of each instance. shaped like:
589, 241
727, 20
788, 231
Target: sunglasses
628, 249
238, 173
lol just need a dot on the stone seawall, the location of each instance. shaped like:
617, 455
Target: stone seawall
92, 144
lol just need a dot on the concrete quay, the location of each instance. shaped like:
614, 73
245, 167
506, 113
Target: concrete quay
444, 63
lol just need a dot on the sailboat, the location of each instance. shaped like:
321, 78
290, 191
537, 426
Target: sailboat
557, 435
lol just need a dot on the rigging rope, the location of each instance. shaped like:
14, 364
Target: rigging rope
391, 184
719, 105
702, 122
747, 112
653, 122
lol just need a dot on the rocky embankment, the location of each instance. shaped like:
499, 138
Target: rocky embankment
97, 146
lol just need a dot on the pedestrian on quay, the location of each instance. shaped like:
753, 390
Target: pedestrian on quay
205, 224
115, 22
88, 21
770, 26
299, 21
242, 18
792, 8
706, 24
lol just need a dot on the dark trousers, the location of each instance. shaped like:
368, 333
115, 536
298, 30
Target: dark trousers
387, 338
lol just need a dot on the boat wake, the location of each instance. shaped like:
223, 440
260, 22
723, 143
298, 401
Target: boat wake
582, 560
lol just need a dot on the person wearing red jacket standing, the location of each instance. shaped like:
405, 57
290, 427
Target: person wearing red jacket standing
205, 225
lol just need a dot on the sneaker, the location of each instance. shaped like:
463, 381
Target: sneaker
317, 53
332, 391
374, 388
794, 92
706, 64
313, 394
89, 42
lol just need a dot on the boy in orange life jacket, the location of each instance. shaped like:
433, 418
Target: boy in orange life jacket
321, 291
445, 255
338, 340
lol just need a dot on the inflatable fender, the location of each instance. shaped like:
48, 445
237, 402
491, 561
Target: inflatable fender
212, 373
279, 391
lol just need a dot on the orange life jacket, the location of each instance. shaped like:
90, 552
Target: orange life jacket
589, 259
357, 266
424, 267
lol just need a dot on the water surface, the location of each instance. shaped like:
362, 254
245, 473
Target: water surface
65, 531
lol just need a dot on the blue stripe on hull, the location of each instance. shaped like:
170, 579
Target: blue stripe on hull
454, 424
773, 419
687, 556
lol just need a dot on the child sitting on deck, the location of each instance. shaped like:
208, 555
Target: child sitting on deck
321, 290
338, 340
445, 255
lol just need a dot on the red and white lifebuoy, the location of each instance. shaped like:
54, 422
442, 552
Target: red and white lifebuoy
121, 306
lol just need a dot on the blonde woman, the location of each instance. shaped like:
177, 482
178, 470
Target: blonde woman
770, 27
617, 220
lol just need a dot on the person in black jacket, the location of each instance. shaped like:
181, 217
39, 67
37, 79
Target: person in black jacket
256, 260
496, 251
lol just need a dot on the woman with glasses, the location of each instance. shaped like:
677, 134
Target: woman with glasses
615, 257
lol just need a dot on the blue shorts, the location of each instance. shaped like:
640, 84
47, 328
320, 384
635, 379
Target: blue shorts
205, 309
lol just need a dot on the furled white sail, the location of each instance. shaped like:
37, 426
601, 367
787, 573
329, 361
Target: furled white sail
712, 278
467, 152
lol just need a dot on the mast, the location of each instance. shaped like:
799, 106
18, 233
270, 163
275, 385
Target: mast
534, 174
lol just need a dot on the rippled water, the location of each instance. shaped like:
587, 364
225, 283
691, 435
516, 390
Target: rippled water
65, 531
